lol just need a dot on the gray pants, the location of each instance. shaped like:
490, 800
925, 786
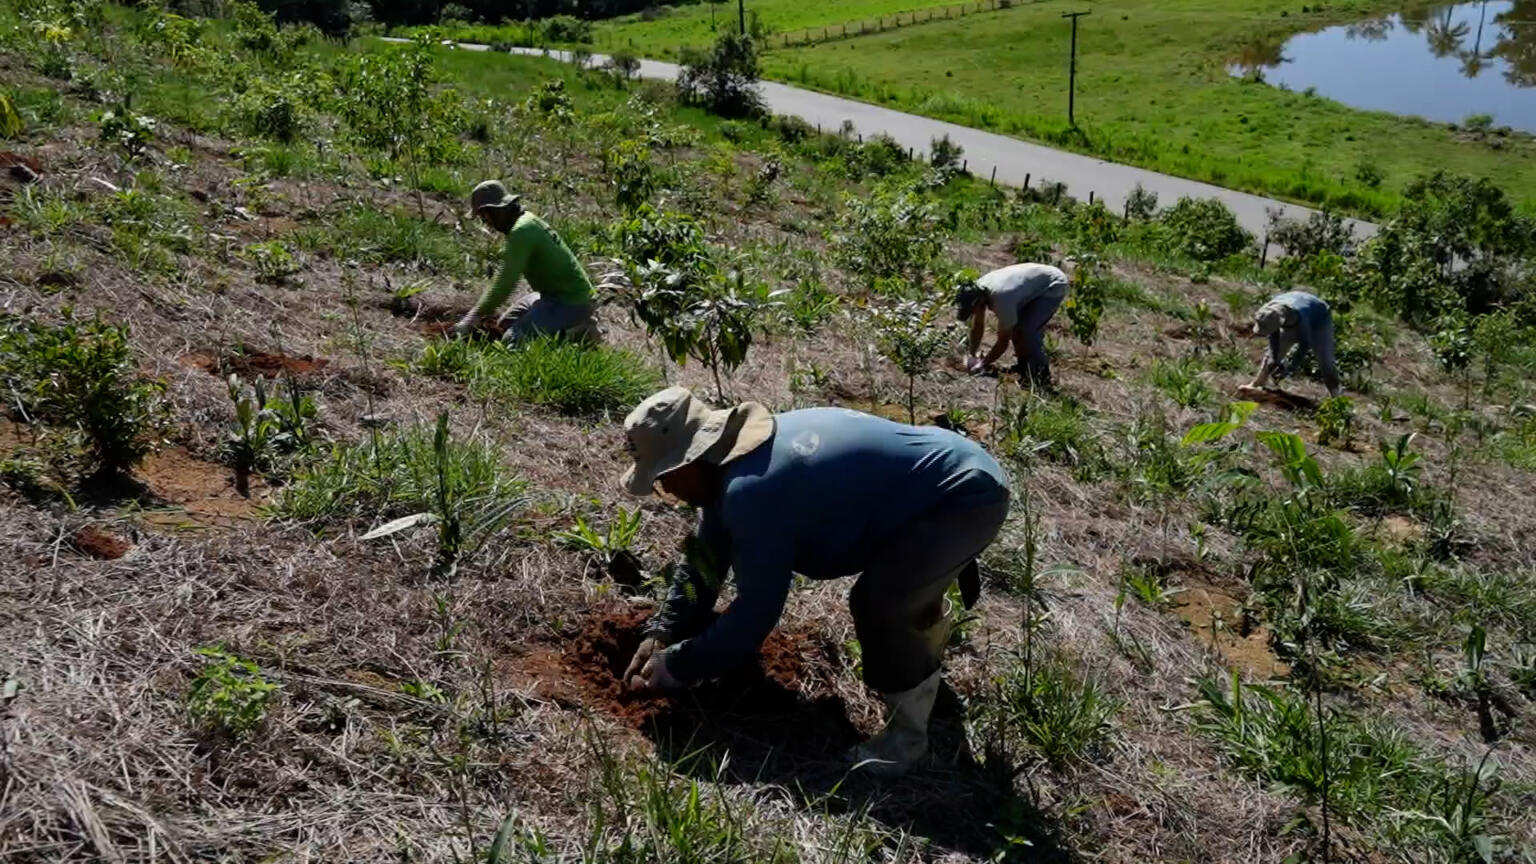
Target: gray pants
899, 597
1277, 366
1029, 336
532, 315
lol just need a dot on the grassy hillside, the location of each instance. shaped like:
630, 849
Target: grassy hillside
229, 253
1153, 90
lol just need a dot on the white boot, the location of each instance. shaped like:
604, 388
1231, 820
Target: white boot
905, 738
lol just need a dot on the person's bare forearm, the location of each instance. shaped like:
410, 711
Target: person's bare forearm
998, 350
978, 329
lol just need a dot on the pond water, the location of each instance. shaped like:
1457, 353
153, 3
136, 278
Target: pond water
1442, 63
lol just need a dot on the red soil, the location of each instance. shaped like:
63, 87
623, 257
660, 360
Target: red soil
253, 363
97, 543
760, 706
203, 492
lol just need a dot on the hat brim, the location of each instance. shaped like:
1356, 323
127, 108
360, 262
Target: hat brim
721, 437
503, 204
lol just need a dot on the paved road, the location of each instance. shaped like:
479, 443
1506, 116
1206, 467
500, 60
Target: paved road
1016, 161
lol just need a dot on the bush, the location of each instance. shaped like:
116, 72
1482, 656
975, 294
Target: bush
623, 65
1205, 230
567, 28
722, 79
269, 110
1335, 420
1140, 204
80, 376
945, 153
890, 235
628, 168
910, 335
1322, 232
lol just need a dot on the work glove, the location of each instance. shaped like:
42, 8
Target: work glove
653, 678
467, 325
973, 364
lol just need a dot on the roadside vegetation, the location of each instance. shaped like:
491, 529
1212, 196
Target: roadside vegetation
1153, 89
290, 571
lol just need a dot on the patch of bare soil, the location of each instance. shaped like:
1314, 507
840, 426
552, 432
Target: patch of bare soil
749, 709
434, 319
202, 493
98, 543
253, 363
1216, 619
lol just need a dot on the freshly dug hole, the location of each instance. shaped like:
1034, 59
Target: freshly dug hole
759, 712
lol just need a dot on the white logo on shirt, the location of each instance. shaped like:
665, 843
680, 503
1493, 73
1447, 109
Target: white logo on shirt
806, 443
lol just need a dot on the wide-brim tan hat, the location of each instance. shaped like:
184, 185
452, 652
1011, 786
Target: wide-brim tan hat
672, 429
490, 195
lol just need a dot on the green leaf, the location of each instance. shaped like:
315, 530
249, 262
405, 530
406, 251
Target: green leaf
398, 525
9, 690
502, 839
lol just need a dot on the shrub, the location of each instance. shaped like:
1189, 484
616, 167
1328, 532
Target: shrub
1085, 303
269, 110
1205, 230
722, 78
1140, 204
1335, 420
130, 131
567, 28
910, 336
229, 696
944, 153
889, 235
628, 167
623, 65
1322, 232
80, 376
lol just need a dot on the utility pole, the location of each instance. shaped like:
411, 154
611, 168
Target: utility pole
741, 15
1072, 70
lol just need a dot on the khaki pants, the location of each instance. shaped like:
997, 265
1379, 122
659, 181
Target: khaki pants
899, 598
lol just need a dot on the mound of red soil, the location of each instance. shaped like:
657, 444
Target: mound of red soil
254, 363
761, 708
96, 543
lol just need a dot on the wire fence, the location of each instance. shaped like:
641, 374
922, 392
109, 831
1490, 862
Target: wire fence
896, 21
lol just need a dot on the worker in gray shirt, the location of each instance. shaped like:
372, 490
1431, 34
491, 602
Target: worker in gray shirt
1022, 297
823, 492
1295, 322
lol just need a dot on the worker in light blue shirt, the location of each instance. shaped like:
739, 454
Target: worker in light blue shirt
1295, 323
823, 492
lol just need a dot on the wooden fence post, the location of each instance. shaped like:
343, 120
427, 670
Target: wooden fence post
1090, 197
994, 176
1026, 180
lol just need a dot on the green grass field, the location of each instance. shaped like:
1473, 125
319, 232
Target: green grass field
1153, 90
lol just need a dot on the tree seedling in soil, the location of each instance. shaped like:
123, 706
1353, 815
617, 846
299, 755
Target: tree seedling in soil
909, 335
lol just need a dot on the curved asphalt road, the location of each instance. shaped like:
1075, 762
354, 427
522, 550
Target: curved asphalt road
1016, 160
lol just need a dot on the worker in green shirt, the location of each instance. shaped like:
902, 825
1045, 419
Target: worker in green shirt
560, 301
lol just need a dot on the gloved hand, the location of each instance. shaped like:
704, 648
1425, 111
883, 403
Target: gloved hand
643, 654
654, 677
973, 364
467, 325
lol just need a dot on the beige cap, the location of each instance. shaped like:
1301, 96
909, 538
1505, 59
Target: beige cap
490, 195
672, 429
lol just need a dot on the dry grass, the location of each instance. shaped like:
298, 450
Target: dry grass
358, 761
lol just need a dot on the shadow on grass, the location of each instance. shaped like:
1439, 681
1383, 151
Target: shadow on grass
768, 734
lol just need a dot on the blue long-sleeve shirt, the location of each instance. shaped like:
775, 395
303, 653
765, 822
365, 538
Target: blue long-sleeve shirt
817, 499
1312, 315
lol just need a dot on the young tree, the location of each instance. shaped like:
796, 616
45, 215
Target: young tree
910, 335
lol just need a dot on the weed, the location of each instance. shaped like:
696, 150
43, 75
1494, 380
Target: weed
1049, 707
273, 262
129, 131
229, 696
1056, 429
558, 373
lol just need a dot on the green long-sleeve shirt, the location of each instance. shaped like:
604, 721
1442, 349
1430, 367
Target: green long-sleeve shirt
535, 251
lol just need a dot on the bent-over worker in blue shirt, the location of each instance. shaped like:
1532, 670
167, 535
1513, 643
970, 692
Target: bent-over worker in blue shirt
823, 492
1301, 322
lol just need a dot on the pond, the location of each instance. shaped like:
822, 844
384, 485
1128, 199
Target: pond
1442, 63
